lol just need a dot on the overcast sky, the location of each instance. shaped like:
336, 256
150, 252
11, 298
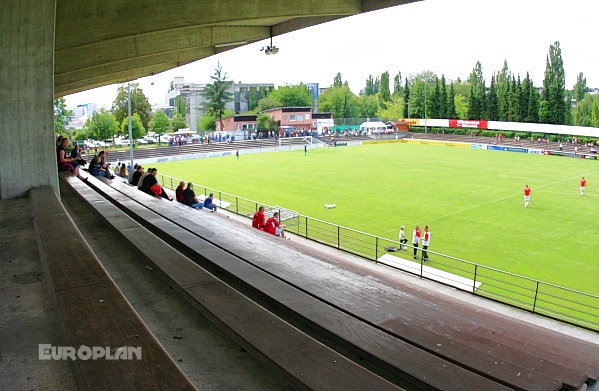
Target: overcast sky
445, 36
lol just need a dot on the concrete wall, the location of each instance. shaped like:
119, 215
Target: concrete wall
27, 151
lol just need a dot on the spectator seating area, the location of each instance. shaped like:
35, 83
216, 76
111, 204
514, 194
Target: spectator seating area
326, 322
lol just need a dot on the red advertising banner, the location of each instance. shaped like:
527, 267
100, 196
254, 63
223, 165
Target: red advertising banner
464, 123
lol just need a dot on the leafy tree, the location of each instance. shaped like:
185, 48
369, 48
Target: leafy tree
337, 82
139, 104
406, 99
553, 107
102, 125
384, 91
461, 106
62, 116
137, 128
182, 105
586, 112
580, 88
178, 122
393, 111
340, 101
268, 102
216, 94
502, 85
293, 96
417, 100
368, 106
267, 122
160, 123
208, 121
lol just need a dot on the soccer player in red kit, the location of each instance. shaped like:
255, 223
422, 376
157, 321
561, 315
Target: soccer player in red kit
583, 185
526, 196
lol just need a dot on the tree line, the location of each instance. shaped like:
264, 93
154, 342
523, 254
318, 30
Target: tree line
106, 124
507, 97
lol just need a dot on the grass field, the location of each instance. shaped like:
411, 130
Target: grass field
471, 199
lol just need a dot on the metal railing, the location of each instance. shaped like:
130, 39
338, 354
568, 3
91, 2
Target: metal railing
557, 302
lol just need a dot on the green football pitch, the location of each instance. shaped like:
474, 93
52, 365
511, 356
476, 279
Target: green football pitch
471, 199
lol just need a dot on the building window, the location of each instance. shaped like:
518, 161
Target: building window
292, 117
299, 117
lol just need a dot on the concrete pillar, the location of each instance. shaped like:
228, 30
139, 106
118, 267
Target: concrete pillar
27, 146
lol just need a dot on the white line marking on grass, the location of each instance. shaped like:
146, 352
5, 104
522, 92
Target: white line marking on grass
495, 201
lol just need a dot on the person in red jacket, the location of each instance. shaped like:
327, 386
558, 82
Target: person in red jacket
179, 191
273, 227
258, 219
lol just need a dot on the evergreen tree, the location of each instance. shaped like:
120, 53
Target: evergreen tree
385, 93
337, 82
580, 88
533, 105
524, 98
492, 104
406, 99
397, 90
435, 103
369, 89
377, 85
451, 111
217, 94
443, 99
553, 107
476, 109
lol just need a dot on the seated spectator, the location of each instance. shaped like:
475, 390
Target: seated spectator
258, 219
123, 171
209, 204
76, 154
150, 185
95, 168
64, 162
136, 175
103, 162
142, 177
179, 191
190, 199
273, 227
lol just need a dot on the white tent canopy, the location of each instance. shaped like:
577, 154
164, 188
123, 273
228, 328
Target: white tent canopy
183, 131
374, 125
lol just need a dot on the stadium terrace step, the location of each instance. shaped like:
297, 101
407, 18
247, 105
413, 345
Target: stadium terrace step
92, 310
306, 362
223, 254
431, 273
426, 326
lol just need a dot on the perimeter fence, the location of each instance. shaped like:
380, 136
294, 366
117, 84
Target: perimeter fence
553, 301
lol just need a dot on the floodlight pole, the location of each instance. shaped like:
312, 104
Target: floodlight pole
425, 119
130, 125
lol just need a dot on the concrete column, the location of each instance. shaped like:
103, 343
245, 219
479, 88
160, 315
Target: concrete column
27, 146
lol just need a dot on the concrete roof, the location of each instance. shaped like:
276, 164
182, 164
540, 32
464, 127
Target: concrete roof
101, 42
